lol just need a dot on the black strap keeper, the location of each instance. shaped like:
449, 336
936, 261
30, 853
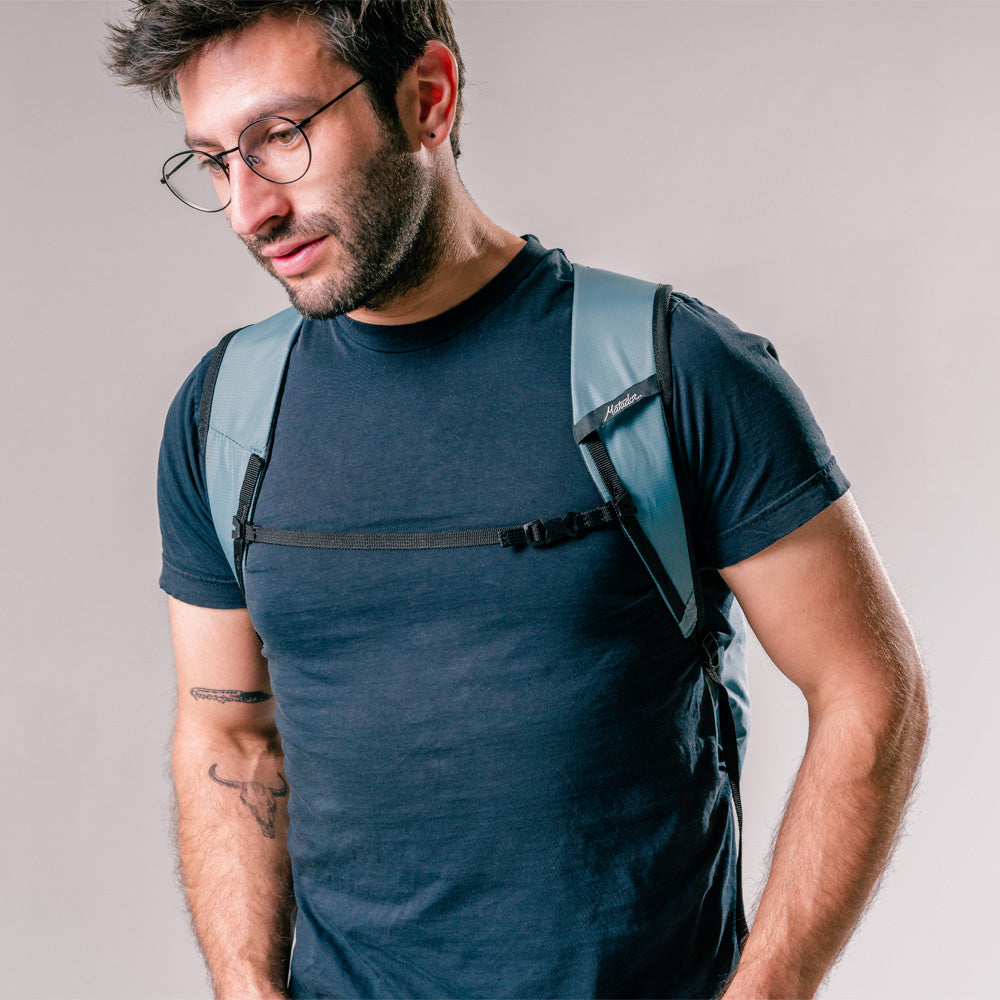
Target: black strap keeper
546, 530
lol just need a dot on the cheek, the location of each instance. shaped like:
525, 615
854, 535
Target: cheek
320, 188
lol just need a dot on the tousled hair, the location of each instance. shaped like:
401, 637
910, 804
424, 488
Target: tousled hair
380, 39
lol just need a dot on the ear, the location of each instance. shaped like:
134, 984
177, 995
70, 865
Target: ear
427, 96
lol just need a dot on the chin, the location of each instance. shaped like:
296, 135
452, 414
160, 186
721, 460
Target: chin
314, 303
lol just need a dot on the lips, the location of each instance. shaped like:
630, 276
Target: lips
290, 258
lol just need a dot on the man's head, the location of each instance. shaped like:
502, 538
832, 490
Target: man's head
364, 224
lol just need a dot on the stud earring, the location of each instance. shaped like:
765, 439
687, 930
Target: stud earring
430, 135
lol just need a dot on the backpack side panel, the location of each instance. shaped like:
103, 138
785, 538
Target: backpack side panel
735, 678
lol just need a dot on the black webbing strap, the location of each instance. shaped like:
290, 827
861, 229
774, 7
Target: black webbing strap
535, 534
708, 641
248, 491
624, 507
208, 389
731, 755
664, 366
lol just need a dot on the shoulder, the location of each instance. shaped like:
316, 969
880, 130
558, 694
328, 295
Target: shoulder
753, 461
709, 348
715, 364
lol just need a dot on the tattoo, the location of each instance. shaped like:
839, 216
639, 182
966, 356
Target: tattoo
215, 694
259, 799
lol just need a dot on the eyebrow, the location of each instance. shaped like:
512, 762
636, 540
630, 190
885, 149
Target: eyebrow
295, 106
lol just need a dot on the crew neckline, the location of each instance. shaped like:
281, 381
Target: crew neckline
402, 338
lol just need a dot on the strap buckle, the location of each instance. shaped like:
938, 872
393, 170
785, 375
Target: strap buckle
239, 529
546, 530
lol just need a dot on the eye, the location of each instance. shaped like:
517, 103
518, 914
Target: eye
210, 164
284, 138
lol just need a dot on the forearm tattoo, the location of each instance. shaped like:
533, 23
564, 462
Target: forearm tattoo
223, 695
259, 799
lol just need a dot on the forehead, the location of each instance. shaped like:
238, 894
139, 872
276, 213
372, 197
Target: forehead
272, 67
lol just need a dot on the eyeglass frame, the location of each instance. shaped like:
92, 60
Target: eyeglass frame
218, 157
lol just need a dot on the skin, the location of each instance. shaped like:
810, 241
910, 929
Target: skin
819, 599
823, 608
236, 872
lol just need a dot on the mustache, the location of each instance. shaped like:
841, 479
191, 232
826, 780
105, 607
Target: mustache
305, 227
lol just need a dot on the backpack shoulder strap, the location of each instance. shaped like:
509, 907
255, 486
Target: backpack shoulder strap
238, 410
620, 366
615, 385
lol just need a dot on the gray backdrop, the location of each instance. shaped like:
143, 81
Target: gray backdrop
825, 174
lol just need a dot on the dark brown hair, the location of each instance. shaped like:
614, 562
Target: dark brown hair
381, 39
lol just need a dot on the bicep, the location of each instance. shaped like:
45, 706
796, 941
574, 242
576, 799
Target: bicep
222, 675
822, 606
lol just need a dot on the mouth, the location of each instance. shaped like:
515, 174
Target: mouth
289, 259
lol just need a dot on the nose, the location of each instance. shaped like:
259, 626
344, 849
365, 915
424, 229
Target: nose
255, 202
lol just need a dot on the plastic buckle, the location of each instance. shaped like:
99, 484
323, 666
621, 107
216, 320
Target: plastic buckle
239, 530
546, 530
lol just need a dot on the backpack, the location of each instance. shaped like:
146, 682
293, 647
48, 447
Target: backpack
620, 366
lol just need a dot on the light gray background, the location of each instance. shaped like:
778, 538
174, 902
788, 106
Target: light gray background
825, 174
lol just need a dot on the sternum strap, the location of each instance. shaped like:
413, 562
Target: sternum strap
536, 533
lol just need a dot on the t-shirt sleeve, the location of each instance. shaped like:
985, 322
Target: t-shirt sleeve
195, 569
753, 462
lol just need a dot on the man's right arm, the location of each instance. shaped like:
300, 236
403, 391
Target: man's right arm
233, 802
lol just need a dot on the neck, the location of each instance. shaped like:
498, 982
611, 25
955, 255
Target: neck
471, 250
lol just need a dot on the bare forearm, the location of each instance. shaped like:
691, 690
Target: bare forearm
232, 828
834, 842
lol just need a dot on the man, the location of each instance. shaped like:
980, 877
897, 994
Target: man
471, 771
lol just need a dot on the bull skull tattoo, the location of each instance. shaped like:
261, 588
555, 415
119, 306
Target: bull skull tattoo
258, 798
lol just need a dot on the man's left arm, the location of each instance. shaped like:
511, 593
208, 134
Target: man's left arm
822, 607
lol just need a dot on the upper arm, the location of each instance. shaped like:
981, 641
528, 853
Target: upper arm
222, 676
822, 606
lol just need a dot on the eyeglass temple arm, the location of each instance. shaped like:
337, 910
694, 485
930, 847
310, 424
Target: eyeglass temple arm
166, 177
305, 121
330, 104
214, 156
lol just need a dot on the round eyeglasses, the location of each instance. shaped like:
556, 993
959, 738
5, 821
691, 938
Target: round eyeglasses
273, 148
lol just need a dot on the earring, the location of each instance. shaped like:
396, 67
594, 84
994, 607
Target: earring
430, 135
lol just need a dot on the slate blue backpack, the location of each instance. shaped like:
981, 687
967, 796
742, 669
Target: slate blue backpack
620, 369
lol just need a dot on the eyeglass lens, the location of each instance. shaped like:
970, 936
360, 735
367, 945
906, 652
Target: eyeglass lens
273, 148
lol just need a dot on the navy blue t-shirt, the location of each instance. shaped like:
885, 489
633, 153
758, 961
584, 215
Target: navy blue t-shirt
504, 767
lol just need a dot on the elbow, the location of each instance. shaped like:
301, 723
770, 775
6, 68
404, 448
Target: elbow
879, 719
902, 721
916, 711
249, 738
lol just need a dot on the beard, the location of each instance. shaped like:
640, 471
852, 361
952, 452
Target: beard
389, 227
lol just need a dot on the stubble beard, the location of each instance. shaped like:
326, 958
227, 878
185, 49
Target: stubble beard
390, 229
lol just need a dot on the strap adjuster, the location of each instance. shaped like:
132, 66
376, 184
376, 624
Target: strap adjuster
546, 530
239, 530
